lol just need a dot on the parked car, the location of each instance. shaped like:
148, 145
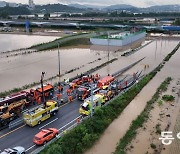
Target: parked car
45, 135
15, 150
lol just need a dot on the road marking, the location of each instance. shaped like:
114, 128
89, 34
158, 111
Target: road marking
49, 123
23, 126
69, 123
30, 147
12, 131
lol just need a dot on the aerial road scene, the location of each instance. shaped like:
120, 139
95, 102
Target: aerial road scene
89, 77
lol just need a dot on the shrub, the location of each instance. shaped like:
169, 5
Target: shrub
168, 98
153, 146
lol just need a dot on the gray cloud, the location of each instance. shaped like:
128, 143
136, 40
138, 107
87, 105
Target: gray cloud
139, 3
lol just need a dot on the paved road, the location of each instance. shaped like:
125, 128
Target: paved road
23, 135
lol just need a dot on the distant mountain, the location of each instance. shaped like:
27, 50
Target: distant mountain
119, 7
51, 8
86, 6
162, 8
125, 7
21, 10
122, 7
78, 6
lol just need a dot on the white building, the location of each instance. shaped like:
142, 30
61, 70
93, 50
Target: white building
120, 39
31, 4
13, 5
2, 3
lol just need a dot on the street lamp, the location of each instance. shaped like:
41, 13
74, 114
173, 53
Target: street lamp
59, 66
91, 101
42, 87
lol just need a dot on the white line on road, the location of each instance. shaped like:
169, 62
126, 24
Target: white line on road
69, 123
30, 147
49, 123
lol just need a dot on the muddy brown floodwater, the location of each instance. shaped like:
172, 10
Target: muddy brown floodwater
24, 69
10, 42
154, 54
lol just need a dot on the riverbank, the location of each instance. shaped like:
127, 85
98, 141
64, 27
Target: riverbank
65, 41
161, 118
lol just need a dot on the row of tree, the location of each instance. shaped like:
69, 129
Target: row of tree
122, 14
177, 22
7, 11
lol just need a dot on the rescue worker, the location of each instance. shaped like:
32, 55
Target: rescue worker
109, 93
120, 87
73, 87
89, 80
84, 97
58, 96
125, 83
134, 75
70, 98
60, 88
144, 67
46, 95
68, 91
39, 100
78, 120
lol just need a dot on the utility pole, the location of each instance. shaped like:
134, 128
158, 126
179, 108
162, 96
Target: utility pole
91, 109
108, 55
42, 87
59, 64
108, 46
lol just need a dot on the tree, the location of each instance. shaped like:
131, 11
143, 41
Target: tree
177, 22
46, 16
36, 16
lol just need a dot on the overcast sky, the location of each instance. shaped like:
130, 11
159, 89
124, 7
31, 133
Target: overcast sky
139, 3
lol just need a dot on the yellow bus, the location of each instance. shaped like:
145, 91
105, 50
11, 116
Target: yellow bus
37, 115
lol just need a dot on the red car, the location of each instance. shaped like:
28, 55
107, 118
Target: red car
45, 135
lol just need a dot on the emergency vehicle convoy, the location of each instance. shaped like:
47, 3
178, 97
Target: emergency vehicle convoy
102, 90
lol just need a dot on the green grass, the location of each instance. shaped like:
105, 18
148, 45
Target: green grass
160, 102
54, 44
168, 98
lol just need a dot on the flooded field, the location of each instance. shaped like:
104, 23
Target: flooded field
153, 53
24, 69
12, 41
